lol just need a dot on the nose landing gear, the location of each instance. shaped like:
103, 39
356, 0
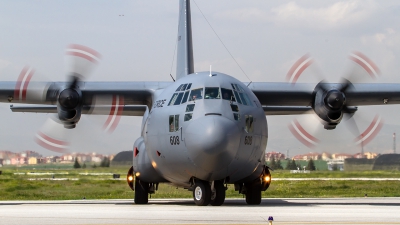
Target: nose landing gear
204, 193
218, 193
201, 193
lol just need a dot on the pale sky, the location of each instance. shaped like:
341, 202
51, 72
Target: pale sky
265, 37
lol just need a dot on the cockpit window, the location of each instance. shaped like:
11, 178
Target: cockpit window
237, 97
243, 99
173, 99
227, 94
246, 98
212, 93
185, 97
179, 88
196, 94
190, 107
183, 87
189, 86
179, 99
240, 95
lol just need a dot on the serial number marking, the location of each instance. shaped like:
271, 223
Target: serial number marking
174, 140
159, 103
248, 140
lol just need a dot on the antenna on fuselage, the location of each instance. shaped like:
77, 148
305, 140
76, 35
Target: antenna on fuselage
210, 72
172, 77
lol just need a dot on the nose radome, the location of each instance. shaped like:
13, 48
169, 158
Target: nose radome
212, 142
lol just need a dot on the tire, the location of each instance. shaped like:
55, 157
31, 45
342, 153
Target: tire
141, 192
253, 193
218, 195
202, 193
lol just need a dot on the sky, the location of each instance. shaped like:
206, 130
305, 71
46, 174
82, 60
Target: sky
137, 41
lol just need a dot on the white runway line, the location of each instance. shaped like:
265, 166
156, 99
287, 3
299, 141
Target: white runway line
184, 211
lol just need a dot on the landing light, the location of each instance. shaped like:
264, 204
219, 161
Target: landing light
130, 178
267, 179
137, 174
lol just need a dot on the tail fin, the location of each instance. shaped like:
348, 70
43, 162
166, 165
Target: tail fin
185, 62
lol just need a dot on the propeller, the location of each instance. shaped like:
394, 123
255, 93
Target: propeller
54, 135
329, 102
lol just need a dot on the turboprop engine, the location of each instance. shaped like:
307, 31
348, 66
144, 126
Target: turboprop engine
69, 107
330, 103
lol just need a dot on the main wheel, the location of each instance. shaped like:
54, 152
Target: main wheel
202, 193
141, 192
253, 192
218, 194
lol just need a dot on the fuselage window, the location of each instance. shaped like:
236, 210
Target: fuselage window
179, 99
196, 94
235, 108
185, 97
173, 123
236, 116
249, 123
176, 122
227, 94
190, 107
212, 93
173, 99
188, 116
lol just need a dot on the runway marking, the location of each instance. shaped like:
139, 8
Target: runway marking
274, 179
275, 222
339, 179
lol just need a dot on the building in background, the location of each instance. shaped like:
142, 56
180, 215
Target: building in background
275, 155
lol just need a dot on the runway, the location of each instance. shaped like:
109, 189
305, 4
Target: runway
183, 211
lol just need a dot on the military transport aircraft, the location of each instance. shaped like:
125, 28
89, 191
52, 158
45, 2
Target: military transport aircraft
201, 132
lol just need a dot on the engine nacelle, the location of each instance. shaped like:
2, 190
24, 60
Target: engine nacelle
69, 107
328, 106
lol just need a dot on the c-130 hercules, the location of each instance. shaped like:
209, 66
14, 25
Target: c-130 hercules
201, 132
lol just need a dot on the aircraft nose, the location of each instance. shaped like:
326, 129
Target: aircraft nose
212, 142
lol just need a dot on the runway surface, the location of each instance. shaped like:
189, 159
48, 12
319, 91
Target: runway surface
183, 211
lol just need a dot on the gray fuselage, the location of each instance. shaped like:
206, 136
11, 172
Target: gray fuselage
202, 126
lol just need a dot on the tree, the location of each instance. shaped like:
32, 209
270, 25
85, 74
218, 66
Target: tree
310, 165
288, 165
84, 165
278, 165
291, 165
272, 163
94, 165
76, 164
105, 162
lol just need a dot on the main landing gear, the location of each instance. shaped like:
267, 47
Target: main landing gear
205, 193
142, 189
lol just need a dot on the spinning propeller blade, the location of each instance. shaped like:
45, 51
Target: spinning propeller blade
330, 101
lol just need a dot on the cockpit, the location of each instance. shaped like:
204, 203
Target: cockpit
183, 94
235, 97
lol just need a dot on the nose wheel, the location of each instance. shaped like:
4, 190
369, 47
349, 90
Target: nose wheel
218, 194
201, 193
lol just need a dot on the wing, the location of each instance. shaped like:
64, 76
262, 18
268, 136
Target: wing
288, 99
95, 97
